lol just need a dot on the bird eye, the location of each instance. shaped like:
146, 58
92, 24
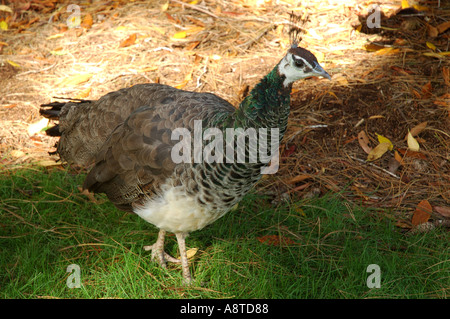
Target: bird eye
299, 63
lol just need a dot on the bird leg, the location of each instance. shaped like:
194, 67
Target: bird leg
158, 252
183, 256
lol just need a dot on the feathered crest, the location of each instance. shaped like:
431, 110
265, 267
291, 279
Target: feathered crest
297, 24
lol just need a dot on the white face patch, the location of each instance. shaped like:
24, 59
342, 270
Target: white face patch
291, 71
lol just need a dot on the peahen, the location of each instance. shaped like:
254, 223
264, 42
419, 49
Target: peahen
129, 137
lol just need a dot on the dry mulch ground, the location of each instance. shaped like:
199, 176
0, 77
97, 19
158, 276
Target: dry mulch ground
385, 81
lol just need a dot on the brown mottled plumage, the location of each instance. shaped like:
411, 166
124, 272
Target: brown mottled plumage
127, 136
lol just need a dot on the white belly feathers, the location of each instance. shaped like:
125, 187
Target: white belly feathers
175, 211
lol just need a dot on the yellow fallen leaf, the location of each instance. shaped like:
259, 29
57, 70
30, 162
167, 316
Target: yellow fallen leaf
405, 4
413, 145
55, 36
190, 253
165, 6
387, 51
121, 28
3, 25
76, 79
179, 35
378, 151
439, 55
431, 46
382, 139
420, 8
58, 52
14, 64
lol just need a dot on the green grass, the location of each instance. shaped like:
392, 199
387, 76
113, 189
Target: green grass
46, 225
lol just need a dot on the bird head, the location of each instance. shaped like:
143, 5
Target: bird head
298, 64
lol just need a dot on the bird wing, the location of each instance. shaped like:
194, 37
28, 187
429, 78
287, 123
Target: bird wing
135, 160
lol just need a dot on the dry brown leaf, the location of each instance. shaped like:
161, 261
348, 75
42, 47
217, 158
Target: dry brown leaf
422, 213
398, 158
87, 21
363, 140
75, 79
298, 178
432, 31
426, 90
443, 210
417, 129
129, 41
443, 27
378, 151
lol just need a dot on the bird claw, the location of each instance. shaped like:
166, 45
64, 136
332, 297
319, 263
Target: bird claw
160, 256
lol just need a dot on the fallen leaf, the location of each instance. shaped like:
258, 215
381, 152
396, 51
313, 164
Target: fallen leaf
405, 4
443, 27
179, 35
413, 154
382, 139
431, 46
363, 141
398, 158
432, 31
75, 79
422, 213
378, 151
426, 90
165, 6
417, 129
87, 21
55, 36
129, 41
4, 25
5, 8
442, 210
413, 145
298, 178
14, 64
387, 51
83, 94
191, 252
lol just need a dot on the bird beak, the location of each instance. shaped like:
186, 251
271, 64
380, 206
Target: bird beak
319, 71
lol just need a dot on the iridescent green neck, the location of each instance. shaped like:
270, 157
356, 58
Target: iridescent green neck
266, 106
